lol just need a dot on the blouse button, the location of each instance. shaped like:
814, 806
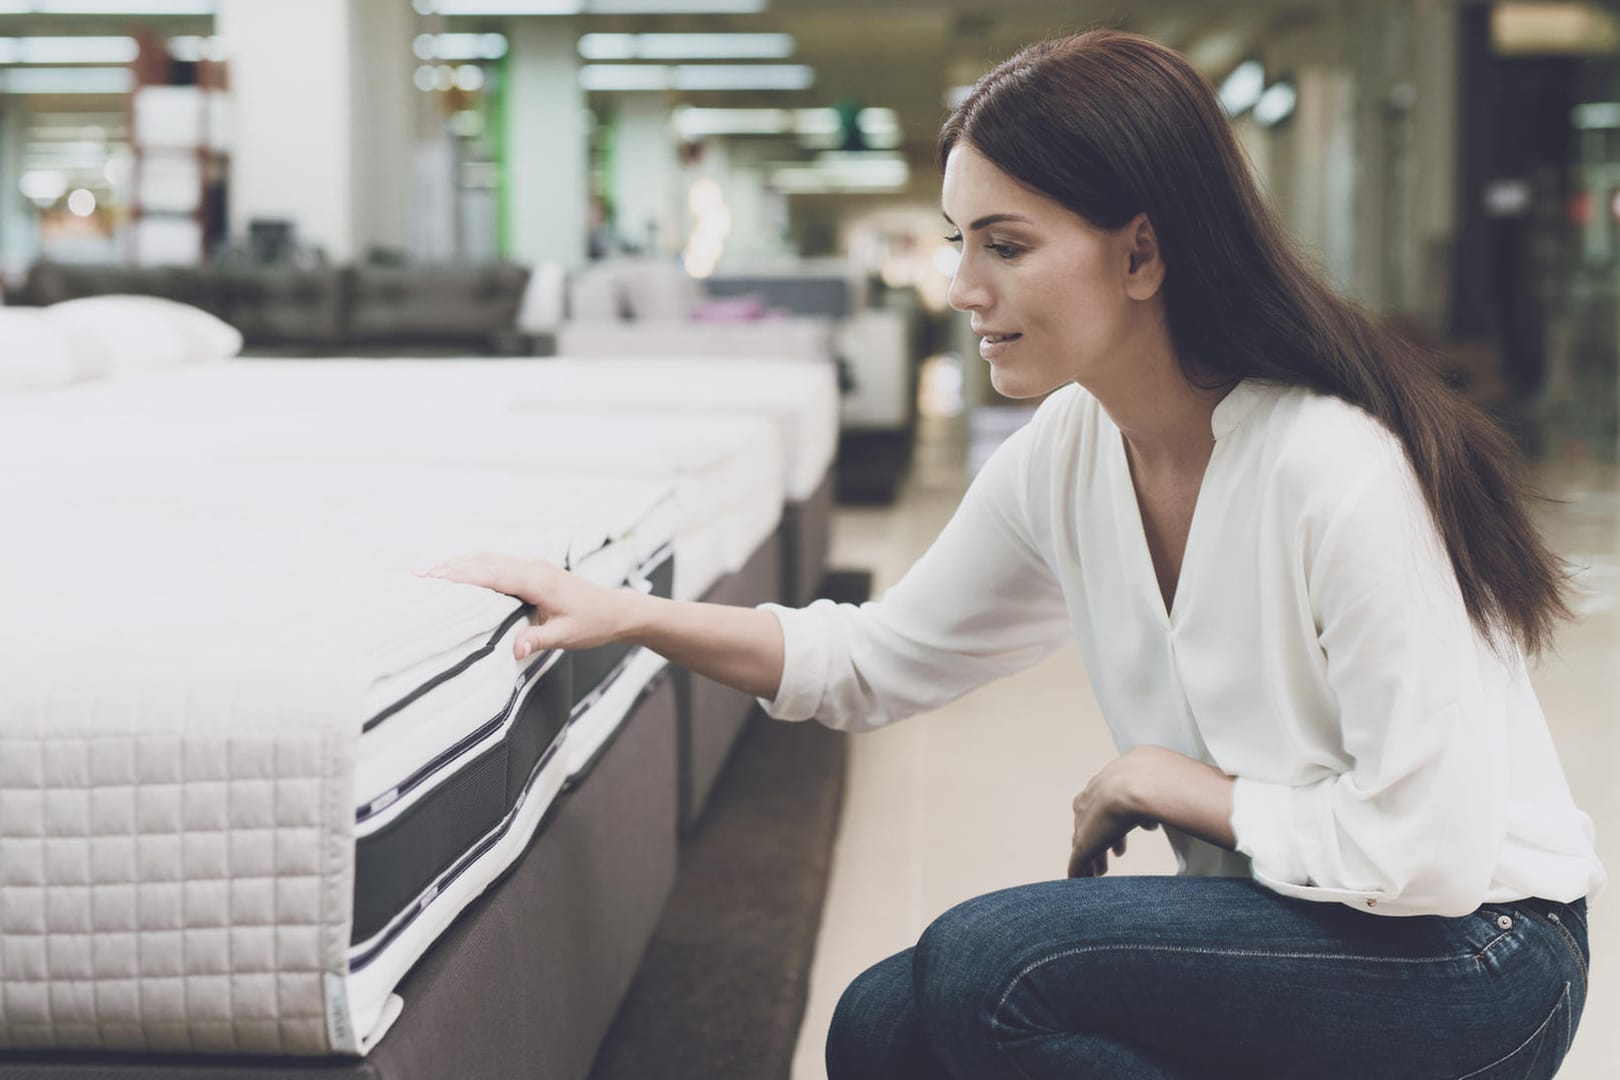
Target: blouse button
1372, 903
1503, 922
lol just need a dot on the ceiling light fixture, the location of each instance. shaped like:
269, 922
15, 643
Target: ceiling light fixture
594, 7
1276, 104
686, 46
120, 7
68, 50
83, 80
1243, 87
696, 77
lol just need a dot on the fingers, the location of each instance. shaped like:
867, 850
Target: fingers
534, 639
1087, 864
508, 574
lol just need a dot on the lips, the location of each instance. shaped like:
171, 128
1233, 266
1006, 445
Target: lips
993, 345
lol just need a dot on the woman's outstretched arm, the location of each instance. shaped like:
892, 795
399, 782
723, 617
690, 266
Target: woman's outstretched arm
738, 646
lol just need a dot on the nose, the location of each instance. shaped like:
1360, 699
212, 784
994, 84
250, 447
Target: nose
967, 292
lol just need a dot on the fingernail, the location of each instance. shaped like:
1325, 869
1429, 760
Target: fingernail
522, 649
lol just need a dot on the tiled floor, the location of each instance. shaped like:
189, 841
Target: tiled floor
976, 796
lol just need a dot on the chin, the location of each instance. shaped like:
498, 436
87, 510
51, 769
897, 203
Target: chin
1010, 383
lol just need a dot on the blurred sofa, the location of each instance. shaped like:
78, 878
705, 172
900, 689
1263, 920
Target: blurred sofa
804, 311
322, 311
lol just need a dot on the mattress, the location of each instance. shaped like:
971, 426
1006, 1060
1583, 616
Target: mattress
250, 766
726, 471
799, 398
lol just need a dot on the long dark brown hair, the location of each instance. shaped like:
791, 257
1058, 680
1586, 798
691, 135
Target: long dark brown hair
1112, 125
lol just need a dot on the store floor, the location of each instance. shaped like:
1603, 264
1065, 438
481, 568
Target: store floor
976, 796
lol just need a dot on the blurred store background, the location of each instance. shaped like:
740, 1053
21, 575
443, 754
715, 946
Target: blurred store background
756, 178
514, 176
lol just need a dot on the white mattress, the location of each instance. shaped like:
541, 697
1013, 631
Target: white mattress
191, 656
725, 470
800, 398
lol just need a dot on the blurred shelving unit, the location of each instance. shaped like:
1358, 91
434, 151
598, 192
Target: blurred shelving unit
180, 138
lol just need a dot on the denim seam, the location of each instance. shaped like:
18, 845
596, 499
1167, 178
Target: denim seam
1574, 949
1480, 956
995, 1015
1561, 1003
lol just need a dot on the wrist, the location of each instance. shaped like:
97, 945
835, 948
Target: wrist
1135, 790
635, 616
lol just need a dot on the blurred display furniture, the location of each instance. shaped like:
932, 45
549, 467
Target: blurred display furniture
651, 308
322, 310
180, 128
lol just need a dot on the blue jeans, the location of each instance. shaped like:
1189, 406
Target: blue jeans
1181, 977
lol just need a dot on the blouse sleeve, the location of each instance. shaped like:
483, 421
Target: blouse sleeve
1416, 824
981, 603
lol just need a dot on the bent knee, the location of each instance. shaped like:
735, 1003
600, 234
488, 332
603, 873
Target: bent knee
873, 1023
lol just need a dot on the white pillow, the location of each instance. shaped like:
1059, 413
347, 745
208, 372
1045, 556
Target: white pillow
35, 353
148, 333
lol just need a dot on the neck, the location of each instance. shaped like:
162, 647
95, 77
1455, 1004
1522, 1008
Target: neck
1165, 419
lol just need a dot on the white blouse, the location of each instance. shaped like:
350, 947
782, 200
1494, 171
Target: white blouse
1317, 649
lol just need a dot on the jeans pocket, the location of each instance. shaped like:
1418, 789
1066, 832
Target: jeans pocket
1539, 1056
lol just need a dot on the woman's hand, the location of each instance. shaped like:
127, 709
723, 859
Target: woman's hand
570, 612
1145, 787
1104, 814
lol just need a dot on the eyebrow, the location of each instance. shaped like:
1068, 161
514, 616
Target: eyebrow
989, 220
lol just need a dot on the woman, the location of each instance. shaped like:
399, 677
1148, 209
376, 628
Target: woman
1304, 582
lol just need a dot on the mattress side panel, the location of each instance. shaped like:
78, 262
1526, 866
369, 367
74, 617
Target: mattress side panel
172, 887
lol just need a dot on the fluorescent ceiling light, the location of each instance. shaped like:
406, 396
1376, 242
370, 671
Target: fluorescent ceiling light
68, 50
460, 46
506, 7
1553, 29
841, 173
1241, 89
626, 77
744, 77
121, 7
1596, 114
47, 80
816, 127
696, 77
676, 7
686, 46
1276, 104
597, 7
694, 123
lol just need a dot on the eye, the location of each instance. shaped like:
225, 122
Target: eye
1005, 251
954, 238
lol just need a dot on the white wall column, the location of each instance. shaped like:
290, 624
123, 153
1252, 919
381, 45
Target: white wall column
647, 196
322, 122
546, 142
384, 123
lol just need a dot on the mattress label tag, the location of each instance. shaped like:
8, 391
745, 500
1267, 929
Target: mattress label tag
339, 1027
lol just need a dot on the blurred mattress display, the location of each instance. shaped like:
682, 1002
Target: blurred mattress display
799, 400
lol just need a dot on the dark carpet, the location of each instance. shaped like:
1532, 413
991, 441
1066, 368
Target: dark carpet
722, 988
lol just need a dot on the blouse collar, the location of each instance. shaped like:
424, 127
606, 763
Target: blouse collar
1233, 409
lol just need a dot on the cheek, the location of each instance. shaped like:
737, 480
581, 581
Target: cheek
1071, 295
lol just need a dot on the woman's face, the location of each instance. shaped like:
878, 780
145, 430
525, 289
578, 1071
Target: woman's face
1046, 290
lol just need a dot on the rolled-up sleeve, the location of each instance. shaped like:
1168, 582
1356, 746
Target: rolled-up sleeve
1417, 821
980, 604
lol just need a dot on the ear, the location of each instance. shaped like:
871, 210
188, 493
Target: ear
1144, 267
